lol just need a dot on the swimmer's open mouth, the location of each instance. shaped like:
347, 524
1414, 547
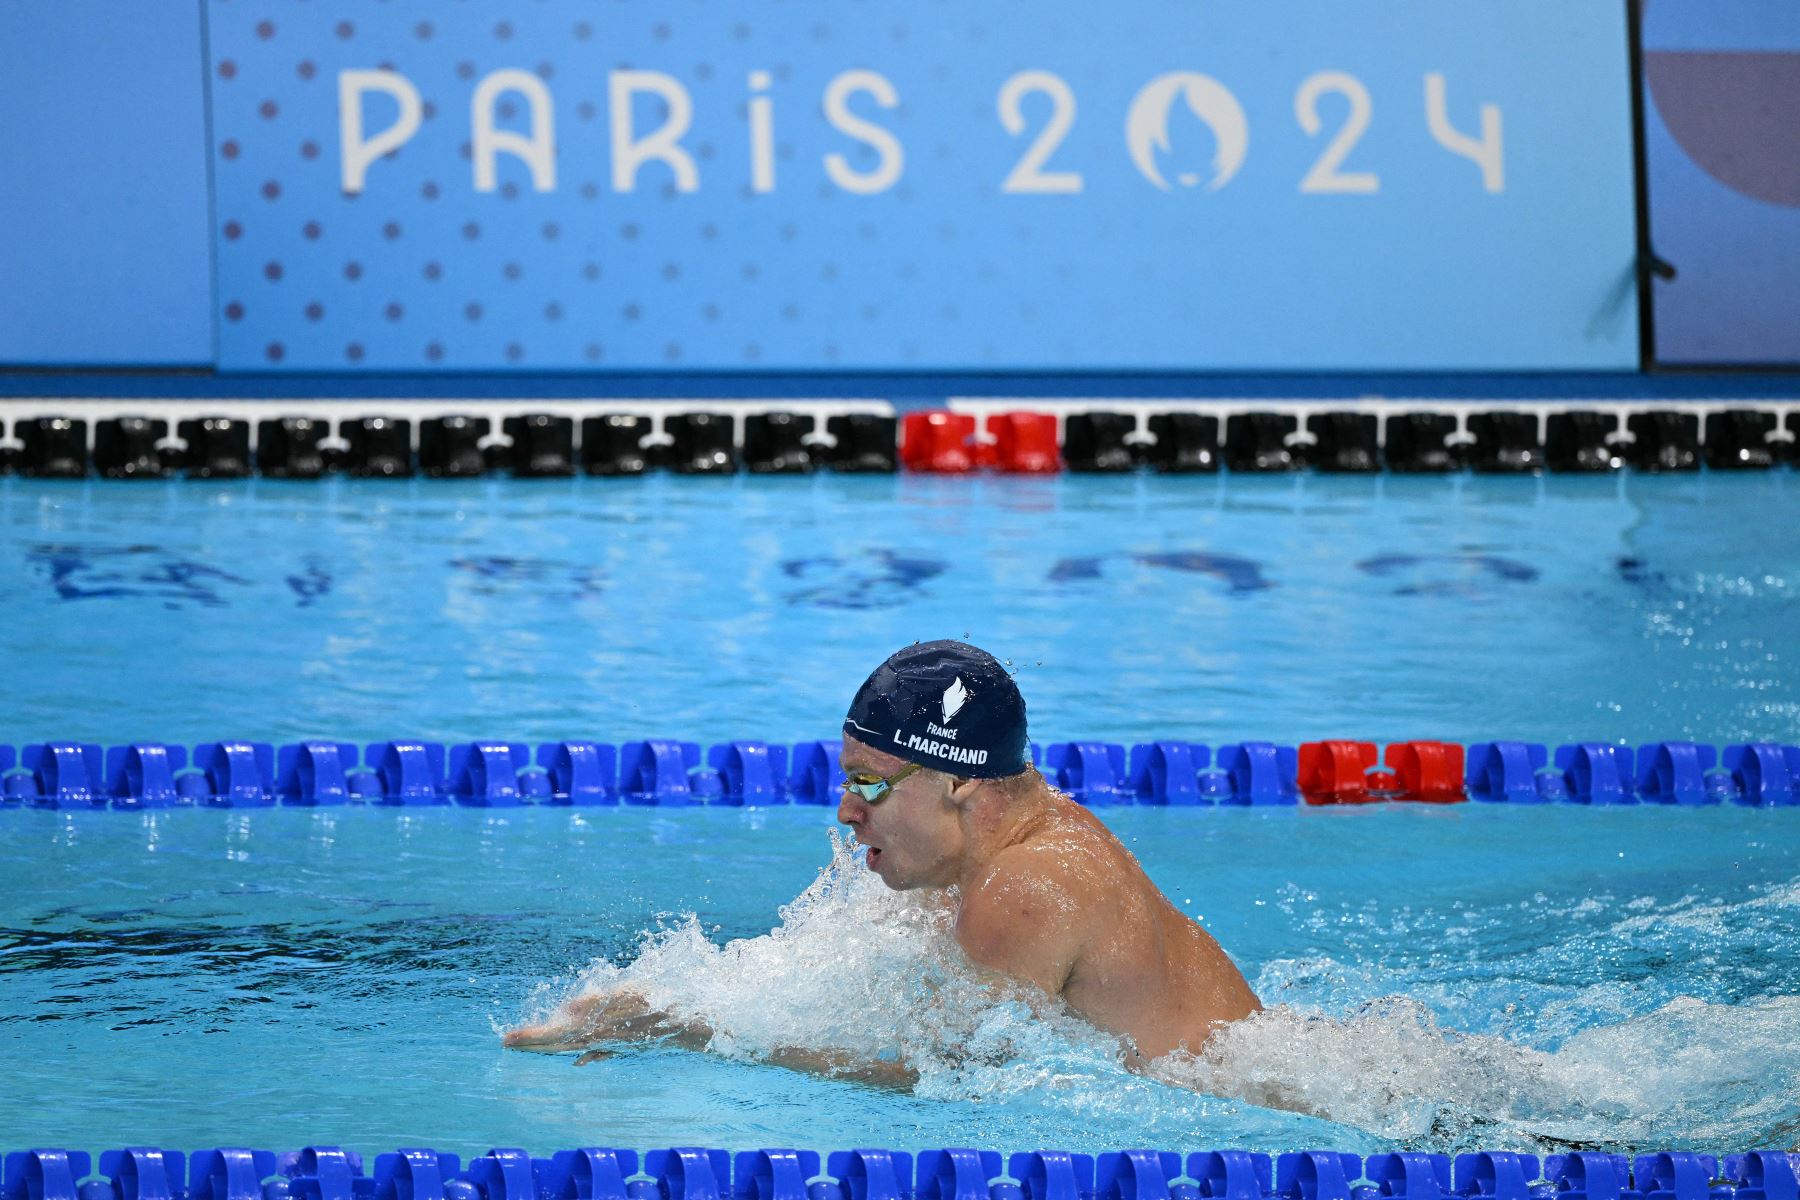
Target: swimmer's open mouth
874, 854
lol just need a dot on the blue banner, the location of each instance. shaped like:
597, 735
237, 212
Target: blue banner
1378, 184
1722, 152
105, 243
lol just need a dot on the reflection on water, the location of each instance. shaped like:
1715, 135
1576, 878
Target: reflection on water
1239, 575
134, 572
878, 578
1469, 608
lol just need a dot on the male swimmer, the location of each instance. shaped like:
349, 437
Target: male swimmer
940, 788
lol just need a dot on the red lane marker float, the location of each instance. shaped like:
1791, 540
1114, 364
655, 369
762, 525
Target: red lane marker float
1428, 771
1025, 443
1335, 772
938, 441
1344, 772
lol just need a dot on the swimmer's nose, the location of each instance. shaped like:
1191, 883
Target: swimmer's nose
851, 810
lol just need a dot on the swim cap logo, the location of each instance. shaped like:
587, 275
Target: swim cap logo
955, 696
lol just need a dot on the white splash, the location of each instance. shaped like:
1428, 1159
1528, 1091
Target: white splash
1689, 1071
857, 969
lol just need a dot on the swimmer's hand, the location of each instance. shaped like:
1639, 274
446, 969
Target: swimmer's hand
618, 1016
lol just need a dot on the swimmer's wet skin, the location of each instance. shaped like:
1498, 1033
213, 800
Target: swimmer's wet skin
940, 789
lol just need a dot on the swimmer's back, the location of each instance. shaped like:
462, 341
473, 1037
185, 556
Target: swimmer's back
1102, 936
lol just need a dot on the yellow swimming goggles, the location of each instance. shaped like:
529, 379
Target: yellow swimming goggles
874, 788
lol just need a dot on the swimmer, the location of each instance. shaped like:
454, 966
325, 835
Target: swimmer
940, 788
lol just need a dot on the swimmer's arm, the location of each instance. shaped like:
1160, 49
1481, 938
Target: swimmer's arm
833, 1064
617, 1016
625, 1016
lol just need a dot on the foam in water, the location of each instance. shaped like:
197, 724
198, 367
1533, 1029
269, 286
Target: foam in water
856, 969
1689, 1073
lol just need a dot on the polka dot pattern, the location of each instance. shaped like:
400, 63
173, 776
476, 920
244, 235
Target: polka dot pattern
422, 271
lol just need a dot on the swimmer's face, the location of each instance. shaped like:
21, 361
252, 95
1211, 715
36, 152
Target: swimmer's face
914, 833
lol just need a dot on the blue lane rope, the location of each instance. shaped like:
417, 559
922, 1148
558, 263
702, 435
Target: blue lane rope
330, 1173
143, 775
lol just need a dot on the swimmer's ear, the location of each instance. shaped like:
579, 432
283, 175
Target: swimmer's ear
962, 789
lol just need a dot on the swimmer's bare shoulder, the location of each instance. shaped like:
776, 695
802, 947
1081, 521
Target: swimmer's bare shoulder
1069, 909
1023, 916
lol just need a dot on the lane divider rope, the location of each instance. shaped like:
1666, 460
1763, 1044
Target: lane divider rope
558, 439
672, 773
688, 1173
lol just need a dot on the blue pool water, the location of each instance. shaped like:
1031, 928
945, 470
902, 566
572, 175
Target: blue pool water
1216, 609
1440, 976
1622, 979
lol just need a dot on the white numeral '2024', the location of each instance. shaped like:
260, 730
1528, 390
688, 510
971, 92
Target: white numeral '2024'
1326, 176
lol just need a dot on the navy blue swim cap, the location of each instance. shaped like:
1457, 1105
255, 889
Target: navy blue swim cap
944, 705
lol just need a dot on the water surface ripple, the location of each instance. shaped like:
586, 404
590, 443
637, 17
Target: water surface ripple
1439, 978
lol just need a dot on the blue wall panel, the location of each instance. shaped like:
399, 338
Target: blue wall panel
1722, 143
1174, 226
104, 236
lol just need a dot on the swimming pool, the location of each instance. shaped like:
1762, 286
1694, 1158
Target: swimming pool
279, 977
1466, 608
1626, 977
